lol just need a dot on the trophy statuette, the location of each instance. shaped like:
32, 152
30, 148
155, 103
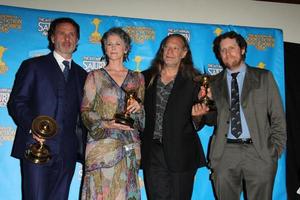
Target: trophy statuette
204, 81
124, 117
43, 127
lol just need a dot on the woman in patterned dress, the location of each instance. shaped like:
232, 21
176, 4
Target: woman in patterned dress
113, 149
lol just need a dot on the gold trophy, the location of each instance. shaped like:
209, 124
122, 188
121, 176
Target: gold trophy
43, 127
204, 81
124, 117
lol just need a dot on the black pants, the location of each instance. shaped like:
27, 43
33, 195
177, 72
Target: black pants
163, 184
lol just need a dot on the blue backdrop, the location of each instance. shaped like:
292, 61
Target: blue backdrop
23, 34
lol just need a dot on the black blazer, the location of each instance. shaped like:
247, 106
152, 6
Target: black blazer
181, 144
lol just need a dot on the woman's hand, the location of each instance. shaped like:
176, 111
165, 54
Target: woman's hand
114, 125
133, 106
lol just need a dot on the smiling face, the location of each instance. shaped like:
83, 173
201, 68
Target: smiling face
173, 52
65, 39
115, 48
231, 54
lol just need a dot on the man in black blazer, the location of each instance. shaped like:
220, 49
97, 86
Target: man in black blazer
40, 88
171, 149
250, 133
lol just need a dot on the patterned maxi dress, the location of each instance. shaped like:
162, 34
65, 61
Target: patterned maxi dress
112, 155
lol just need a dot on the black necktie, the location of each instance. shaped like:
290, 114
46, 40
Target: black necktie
236, 126
67, 68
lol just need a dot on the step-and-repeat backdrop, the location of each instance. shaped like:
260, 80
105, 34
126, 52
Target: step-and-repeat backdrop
23, 34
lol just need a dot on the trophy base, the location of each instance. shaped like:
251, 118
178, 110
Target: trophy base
124, 119
208, 102
38, 154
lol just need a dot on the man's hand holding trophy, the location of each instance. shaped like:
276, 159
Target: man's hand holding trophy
43, 127
205, 102
205, 94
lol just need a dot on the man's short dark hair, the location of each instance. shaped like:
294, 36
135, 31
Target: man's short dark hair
232, 35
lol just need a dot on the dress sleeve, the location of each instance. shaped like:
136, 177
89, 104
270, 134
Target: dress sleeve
139, 117
91, 119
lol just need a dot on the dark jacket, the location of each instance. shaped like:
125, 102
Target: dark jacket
40, 89
181, 144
